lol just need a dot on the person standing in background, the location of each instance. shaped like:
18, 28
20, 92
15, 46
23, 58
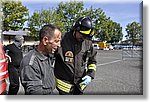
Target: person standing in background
15, 52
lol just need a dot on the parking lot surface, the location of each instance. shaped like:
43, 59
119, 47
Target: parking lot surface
115, 76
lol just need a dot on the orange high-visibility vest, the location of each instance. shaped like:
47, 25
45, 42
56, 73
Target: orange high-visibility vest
3, 70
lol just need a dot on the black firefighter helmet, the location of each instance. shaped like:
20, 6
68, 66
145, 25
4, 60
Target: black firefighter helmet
84, 26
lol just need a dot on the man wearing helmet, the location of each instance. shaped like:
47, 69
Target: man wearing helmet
75, 64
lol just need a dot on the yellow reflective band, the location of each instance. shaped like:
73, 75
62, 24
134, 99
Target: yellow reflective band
63, 83
63, 88
85, 32
93, 32
92, 66
82, 86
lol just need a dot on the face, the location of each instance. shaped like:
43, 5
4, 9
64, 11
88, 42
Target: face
53, 43
21, 41
80, 37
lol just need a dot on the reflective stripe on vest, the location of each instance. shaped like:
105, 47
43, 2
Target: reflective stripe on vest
92, 66
3, 75
2, 86
63, 85
3, 60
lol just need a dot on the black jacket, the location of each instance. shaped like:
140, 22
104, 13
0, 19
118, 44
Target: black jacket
71, 59
16, 55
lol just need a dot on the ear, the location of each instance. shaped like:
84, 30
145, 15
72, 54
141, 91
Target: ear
45, 40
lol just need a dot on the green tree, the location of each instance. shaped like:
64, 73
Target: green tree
117, 34
1, 16
105, 28
34, 24
14, 15
97, 16
110, 31
64, 15
70, 11
42, 17
134, 32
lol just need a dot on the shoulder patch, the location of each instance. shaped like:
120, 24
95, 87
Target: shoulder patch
68, 56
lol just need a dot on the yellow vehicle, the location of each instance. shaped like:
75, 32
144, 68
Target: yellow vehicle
102, 45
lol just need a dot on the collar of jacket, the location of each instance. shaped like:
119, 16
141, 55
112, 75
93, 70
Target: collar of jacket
41, 56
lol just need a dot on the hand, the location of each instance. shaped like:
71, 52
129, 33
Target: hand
86, 80
8, 58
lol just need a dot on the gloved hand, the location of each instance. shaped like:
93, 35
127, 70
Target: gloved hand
86, 80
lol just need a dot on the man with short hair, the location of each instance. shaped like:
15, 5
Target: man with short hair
37, 76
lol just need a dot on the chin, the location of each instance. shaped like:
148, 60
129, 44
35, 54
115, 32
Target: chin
53, 52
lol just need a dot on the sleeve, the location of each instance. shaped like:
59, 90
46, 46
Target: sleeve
91, 65
31, 80
6, 48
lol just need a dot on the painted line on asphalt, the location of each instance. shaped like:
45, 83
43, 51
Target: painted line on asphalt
109, 62
111, 57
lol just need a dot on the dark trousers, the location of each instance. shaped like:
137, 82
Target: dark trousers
14, 80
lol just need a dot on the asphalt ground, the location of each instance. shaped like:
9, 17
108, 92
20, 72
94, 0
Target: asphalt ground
114, 75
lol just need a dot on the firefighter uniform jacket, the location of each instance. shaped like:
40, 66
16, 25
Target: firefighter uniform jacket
71, 62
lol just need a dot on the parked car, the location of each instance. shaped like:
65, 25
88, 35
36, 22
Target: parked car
111, 47
117, 47
96, 46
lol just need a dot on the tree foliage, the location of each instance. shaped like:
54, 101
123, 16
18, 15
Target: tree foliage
42, 17
134, 32
68, 12
14, 15
116, 33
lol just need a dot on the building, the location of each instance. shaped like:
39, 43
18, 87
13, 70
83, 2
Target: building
8, 37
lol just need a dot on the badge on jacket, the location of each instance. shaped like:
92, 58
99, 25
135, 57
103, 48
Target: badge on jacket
68, 56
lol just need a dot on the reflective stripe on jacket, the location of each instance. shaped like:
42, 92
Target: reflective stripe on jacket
73, 59
3, 70
66, 87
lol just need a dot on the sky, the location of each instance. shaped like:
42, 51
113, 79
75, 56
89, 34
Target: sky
120, 11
